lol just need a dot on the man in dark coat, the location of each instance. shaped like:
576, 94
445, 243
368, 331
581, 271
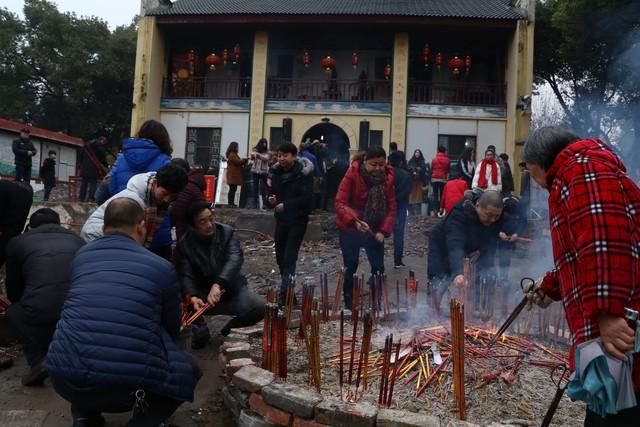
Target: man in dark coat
292, 200
48, 174
23, 151
94, 165
192, 193
37, 282
15, 202
114, 346
402, 184
472, 225
209, 263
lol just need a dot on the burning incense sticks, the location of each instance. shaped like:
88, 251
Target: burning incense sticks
270, 338
282, 345
413, 289
305, 309
289, 300
338, 293
324, 293
341, 344
363, 359
457, 352
313, 350
195, 316
385, 298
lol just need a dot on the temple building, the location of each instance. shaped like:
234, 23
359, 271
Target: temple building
351, 73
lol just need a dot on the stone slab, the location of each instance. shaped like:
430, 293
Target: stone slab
23, 418
231, 403
300, 401
250, 331
242, 351
271, 413
235, 365
252, 378
251, 419
459, 423
393, 418
303, 422
337, 413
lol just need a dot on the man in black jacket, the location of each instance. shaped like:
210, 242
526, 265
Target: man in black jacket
402, 185
94, 163
23, 151
472, 226
48, 174
15, 202
209, 263
37, 282
292, 198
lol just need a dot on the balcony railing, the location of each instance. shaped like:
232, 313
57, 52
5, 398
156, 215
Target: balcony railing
203, 87
477, 94
329, 90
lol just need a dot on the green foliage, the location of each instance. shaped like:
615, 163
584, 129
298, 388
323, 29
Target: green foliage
66, 73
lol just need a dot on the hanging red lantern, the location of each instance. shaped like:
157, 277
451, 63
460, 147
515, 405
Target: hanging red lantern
354, 60
328, 64
387, 71
212, 61
225, 56
439, 60
467, 63
236, 53
456, 64
425, 55
306, 58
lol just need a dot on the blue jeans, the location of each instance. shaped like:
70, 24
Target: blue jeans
259, 189
23, 173
350, 245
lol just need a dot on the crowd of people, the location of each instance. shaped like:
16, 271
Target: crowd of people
100, 313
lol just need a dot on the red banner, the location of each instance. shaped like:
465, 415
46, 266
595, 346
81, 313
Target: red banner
210, 190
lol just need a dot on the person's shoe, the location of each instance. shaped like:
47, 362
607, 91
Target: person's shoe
399, 265
36, 375
89, 422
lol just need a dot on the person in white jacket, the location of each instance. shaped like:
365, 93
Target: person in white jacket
153, 191
487, 175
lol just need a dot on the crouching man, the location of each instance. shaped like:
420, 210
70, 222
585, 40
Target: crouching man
209, 262
114, 347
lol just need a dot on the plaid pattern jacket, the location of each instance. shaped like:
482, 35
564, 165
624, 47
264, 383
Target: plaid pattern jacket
594, 214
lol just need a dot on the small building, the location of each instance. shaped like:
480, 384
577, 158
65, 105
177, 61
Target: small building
422, 74
67, 149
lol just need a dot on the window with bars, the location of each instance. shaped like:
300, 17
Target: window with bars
203, 148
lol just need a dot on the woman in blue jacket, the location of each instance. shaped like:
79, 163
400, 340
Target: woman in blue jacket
147, 152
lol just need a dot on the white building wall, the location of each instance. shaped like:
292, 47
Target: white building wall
235, 127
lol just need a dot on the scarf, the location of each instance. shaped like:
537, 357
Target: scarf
376, 207
153, 215
482, 180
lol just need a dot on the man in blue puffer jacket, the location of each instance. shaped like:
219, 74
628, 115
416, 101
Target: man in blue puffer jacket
114, 347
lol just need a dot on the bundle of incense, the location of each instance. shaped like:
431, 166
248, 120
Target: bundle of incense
341, 344
282, 345
290, 298
394, 373
195, 316
268, 337
363, 362
354, 320
272, 295
457, 353
274, 335
413, 289
305, 309
338, 293
385, 299
356, 296
313, 350
324, 287
386, 366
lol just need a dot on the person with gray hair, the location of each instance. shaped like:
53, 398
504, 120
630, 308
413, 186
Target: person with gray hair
473, 225
594, 211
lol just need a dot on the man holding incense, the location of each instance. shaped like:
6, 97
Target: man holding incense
37, 282
114, 348
209, 263
594, 212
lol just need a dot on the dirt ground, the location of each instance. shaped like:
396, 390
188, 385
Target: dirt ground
261, 270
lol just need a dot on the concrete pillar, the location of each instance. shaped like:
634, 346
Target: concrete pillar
149, 72
258, 87
400, 83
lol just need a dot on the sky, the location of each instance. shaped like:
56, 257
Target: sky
115, 12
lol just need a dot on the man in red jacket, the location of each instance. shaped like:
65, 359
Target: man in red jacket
440, 166
594, 212
365, 213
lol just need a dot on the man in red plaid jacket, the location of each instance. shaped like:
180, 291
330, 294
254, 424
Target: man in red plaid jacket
594, 215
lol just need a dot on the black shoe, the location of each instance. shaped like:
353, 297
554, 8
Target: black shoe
89, 422
36, 375
399, 265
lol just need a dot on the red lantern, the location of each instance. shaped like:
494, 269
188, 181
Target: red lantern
439, 60
354, 60
328, 63
456, 64
236, 53
225, 56
306, 58
212, 61
467, 63
387, 71
425, 55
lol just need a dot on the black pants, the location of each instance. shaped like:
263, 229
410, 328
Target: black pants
398, 234
90, 403
259, 190
47, 191
288, 240
628, 417
438, 187
35, 338
88, 189
23, 173
231, 199
350, 245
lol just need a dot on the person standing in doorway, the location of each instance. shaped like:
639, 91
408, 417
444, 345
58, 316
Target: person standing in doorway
419, 170
23, 151
234, 172
48, 174
440, 166
260, 158
292, 200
